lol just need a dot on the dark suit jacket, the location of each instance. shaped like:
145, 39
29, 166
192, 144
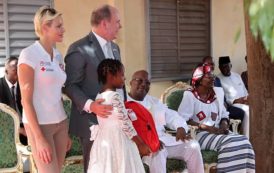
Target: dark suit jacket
6, 97
82, 59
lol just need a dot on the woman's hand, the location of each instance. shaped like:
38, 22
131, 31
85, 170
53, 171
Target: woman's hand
44, 150
212, 129
224, 126
69, 144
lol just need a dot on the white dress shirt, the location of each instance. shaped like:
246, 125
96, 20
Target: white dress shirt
107, 50
233, 86
11, 85
163, 116
106, 47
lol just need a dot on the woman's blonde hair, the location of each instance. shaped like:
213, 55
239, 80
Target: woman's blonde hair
44, 14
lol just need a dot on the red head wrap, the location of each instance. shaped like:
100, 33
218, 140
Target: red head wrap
199, 72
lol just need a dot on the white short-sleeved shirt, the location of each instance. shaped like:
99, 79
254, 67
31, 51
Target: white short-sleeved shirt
49, 77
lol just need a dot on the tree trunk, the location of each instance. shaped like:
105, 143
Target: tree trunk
261, 100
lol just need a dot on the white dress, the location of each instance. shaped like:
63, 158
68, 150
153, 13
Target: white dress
113, 151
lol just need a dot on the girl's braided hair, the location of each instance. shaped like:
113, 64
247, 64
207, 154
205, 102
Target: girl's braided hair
107, 66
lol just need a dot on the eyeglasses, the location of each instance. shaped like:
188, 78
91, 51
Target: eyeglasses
140, 81
49, 10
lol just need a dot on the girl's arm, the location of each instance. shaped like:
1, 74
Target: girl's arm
127, 127
120, 110
26, 81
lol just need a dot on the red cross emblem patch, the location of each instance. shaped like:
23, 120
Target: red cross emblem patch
43, 68
201, 115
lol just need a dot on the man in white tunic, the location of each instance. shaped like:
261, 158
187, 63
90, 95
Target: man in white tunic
234, 89
179, 147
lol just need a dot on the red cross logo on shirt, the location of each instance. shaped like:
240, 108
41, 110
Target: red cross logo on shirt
43, 68
201, 115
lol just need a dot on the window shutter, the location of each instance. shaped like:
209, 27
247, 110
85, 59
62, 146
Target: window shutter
19, 27
179, 37
2, 33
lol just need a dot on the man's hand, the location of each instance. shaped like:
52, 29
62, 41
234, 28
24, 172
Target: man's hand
100, 109
181, 135
241, 100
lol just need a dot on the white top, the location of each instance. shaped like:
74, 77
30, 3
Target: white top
203, 113
163, 116
233, 86
105, 45
49, 78
118, 118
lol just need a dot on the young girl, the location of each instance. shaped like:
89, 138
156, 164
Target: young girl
113, 151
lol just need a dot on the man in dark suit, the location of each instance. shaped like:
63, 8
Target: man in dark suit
10, 92
82, 85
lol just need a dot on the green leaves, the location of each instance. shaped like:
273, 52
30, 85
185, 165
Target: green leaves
261, 14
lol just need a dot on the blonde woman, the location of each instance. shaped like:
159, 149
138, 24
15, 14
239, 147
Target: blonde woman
41, 77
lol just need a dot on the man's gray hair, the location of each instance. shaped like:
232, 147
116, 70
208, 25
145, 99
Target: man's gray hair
101, 13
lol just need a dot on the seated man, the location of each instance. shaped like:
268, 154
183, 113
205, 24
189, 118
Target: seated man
179, 147
10, 93
234, 89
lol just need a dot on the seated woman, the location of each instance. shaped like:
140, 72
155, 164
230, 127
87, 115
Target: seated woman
203, 106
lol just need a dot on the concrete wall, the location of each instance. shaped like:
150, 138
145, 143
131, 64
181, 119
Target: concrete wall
227, 20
